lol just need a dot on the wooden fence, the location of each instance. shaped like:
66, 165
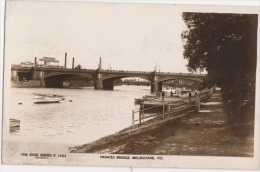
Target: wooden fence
171, 108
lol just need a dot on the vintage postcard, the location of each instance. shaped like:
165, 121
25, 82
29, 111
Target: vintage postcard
130, 85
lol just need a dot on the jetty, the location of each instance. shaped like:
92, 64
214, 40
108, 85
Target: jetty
189, 132
166, 106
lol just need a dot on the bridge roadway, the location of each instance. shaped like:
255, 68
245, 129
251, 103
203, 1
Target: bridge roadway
103, 79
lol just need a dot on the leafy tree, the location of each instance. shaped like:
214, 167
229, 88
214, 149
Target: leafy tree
220, 42
225, 45
78, 67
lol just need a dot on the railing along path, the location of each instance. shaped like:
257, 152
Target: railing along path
171, 108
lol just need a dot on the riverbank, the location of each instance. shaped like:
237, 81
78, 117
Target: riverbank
206, 133
26, 84
115, 143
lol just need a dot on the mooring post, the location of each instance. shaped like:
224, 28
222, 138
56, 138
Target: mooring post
143, 109
163, 108
169, 108
140, 120
133, 118
197, 102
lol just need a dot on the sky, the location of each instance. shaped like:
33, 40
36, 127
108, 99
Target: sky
127, 36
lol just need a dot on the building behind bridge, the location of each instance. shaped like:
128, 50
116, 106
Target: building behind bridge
27, 64
48, 62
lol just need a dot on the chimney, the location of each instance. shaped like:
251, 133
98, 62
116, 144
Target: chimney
34, 73
73, 63
65, 63
35, 61
100, 64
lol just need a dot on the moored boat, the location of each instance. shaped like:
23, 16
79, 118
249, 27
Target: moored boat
138, 100
14, 125
14, 122
146, 98
41, 98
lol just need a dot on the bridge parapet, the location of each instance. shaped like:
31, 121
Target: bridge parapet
69, 70
51, 69
124, 72
104, 71
181, 74
150, 72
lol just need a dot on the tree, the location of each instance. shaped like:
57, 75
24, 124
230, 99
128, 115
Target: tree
221, 43
225, 45
78, 67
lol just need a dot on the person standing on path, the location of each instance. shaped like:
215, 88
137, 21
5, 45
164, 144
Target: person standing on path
163, 94
171, 94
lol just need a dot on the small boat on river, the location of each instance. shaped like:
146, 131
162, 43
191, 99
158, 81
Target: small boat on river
14, 125
146, 98
14, 122
47, 98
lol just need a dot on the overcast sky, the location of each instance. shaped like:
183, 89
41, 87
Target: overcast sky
126, 36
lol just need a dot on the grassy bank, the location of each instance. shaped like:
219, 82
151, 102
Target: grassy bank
113, 143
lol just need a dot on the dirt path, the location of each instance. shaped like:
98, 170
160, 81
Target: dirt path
204, 133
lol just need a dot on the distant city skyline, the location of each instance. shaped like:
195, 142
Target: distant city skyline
126, 36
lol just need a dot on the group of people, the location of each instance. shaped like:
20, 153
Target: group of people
171, 94
163, 94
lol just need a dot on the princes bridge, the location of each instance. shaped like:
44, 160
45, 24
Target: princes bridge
103, 79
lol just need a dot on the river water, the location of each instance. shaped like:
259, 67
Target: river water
84, 116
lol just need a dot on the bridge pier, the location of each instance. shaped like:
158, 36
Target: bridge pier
98, 85
160, 86
154, 87
154, 84
42, 82
38, 75
104, 85
14, 76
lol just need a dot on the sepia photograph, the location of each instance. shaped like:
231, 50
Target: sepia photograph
130, 85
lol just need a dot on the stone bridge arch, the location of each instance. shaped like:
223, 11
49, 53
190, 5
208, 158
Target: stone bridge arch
169, 78
108, 80
55, 79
